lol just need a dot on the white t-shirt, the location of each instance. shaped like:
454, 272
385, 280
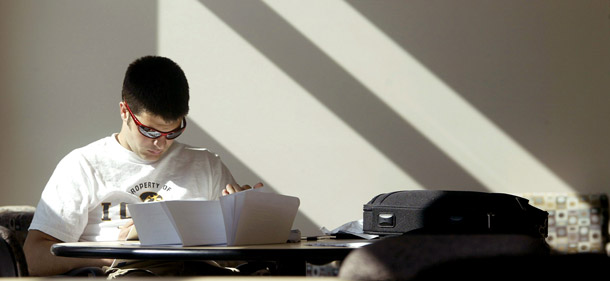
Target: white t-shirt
86, 197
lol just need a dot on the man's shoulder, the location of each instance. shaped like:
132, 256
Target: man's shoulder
193, 151
93, 148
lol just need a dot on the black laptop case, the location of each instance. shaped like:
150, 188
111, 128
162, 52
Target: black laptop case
439, 211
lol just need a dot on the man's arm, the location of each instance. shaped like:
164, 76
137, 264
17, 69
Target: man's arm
41, 262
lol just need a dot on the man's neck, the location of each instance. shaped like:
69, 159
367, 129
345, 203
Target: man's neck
121, 141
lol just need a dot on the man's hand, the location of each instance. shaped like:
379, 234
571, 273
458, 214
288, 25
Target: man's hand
229, 189
125, 230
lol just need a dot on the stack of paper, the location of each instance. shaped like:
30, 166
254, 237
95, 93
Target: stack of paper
243, 218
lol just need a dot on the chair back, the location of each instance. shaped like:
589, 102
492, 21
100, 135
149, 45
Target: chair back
14, 224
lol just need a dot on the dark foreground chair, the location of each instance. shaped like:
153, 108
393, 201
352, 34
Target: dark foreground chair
432, 256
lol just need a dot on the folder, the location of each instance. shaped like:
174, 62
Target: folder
244, 218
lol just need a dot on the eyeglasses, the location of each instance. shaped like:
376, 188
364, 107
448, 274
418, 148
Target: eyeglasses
154, 134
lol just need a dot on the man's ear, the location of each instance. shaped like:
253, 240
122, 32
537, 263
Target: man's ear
123, 111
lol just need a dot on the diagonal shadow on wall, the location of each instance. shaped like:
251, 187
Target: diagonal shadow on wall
196, 135
524, 65
342, 94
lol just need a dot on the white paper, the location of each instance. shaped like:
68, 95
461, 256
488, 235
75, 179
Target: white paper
353, 227
197, 222
258, 217
152, 221
243, 218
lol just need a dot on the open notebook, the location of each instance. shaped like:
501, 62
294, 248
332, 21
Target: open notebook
243, 218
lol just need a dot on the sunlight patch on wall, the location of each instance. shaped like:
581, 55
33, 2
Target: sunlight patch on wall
268, 121
421, 98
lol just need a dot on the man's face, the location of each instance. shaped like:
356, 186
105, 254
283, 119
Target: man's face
146, 148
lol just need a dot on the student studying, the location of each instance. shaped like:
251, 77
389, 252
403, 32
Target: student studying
87, 195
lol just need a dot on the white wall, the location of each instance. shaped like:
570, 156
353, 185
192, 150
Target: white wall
330, 101
60, 81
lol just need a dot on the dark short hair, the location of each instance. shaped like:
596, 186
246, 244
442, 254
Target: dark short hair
158, 86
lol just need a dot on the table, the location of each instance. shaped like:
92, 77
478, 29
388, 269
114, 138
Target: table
291, 258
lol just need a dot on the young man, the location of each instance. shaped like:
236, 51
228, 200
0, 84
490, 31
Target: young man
86, 197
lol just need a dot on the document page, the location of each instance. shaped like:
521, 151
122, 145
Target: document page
243, 218
197, 222
153, 224
257, 217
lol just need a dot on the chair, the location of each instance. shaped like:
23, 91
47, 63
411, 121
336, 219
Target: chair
408, 256
578, 222
468, 257
14, 224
